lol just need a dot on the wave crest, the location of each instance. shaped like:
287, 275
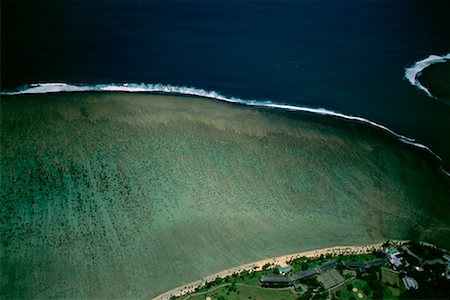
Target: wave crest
414, 71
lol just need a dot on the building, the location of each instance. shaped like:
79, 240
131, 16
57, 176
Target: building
358, 265
410, 283
377, 262
363, 266
447, 271
304, 274
280, 279
277, 279
327, 266
394, 257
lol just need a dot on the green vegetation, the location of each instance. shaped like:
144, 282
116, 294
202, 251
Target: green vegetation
245, 292
392, 282
360, 257
374, 283
301, 264
369, 289
425, 252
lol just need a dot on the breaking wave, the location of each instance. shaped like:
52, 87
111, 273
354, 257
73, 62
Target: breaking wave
412, 73
44, 88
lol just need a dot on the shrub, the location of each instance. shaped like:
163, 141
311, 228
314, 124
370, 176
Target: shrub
304, 266
366, 291
266, 266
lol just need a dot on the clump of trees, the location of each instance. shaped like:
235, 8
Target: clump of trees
425, 252
302, 263
313, 283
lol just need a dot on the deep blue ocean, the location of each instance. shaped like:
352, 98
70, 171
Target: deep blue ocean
345, 56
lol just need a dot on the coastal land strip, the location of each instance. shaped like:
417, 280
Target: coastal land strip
280, 260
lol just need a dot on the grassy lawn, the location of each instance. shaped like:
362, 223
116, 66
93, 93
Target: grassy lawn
392, 279
344, 293
387, 293
246, 292
250, 280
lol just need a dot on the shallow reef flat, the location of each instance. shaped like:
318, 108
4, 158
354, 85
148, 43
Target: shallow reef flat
117, 195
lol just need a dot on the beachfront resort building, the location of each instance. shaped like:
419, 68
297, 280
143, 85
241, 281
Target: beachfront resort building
447, 270
328, 278
363, 266
410, 283
395, 258
287, 280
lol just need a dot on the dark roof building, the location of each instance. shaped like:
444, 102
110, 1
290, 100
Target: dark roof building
353, 264
304, 274
275, 279
375, 262
363, 265
288, 279
327, 266
299, 275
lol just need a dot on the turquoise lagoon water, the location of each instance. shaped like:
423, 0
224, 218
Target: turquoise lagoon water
117, 195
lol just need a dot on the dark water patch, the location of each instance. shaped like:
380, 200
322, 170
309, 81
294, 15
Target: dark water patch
436, 78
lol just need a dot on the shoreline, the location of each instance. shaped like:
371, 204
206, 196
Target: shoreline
257, 266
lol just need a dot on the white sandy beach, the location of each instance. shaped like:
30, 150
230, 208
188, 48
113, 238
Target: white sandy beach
280, 260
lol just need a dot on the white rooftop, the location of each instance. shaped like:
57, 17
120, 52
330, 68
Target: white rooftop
410, 283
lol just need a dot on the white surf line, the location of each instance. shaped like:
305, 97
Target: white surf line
414, 71
44, 88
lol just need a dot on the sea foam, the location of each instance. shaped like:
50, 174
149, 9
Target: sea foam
414, 71
44, 88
